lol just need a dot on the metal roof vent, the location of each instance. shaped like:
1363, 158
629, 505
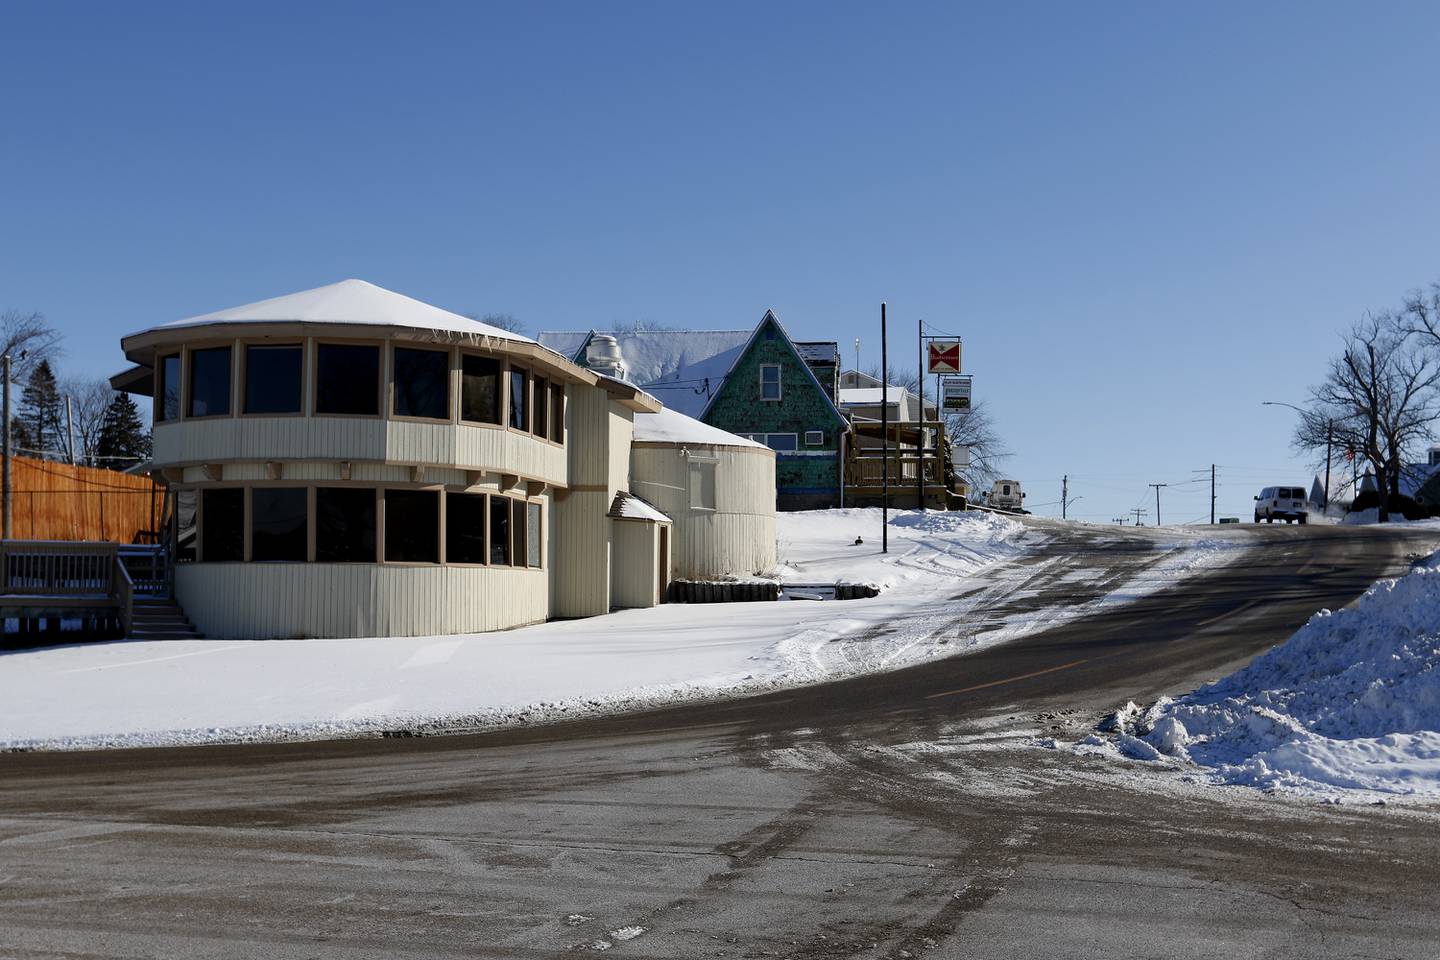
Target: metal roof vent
603, 356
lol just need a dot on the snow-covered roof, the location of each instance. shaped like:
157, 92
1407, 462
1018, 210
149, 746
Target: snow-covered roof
672, 426
350, 302
869, 396
672, 365
627, 506
819, 351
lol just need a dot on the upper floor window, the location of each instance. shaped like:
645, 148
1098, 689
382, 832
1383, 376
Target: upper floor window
770, 381
557, 412
169, 387
347, 379
210, 382
272, 378
480, 397
422, 383
519, 399
540, 416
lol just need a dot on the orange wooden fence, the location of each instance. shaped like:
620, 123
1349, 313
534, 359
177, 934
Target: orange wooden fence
55, 501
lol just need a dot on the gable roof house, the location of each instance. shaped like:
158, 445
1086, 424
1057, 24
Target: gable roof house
760, 384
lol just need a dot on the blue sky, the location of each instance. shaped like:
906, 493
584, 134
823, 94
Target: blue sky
1144, 219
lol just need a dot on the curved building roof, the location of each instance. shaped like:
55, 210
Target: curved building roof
349, 302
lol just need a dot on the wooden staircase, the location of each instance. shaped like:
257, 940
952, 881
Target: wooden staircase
160, 618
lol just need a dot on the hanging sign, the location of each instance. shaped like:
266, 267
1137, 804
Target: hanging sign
955, 393
942, 356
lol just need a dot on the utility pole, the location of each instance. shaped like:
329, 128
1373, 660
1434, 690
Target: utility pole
1064, 495
6, 494
1139, 512
920, 418
70, 428
1212, 494
1157, 487
1329, 438
884, 438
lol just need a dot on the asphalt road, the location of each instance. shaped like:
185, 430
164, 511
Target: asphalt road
902, 815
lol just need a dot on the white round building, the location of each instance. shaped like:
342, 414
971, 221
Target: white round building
347, 461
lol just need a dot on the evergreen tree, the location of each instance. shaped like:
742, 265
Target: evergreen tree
40, 412
123, 440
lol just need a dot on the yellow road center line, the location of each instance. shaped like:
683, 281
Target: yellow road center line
996, 683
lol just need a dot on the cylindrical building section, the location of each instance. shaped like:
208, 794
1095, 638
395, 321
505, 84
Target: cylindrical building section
716, 487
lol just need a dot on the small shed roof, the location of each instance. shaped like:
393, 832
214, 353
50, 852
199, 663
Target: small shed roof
349, 302
672, 426
627, 506
869, 396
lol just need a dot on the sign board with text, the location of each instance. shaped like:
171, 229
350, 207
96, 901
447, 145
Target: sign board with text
955, 393
942, 356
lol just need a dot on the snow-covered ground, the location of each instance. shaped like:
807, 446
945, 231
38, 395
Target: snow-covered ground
941, 567
1348, 706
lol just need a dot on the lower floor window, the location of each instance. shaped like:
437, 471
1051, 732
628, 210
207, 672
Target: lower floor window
412, 526
278, 523
265, 523
345, 525
222, 519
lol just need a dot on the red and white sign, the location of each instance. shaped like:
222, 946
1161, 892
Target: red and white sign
943, 356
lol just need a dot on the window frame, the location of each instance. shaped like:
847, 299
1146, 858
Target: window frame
306, 492
243, 387
377, 554
779, 383
157, 414
819, 434
382, 377
392, 394
557, 413
527, 408
485, 526
201, 526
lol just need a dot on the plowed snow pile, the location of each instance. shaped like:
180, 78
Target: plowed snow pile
1351, 701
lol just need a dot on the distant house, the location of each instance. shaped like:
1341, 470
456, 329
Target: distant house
760, 384
859, 398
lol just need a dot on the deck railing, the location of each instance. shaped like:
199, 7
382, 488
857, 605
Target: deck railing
61, 570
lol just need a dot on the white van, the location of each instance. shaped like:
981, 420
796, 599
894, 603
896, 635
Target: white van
1282, 503
1006, 495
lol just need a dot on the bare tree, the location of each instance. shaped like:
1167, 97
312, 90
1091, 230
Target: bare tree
503, 321
976, 429
1379, 396
29, 334
88, 402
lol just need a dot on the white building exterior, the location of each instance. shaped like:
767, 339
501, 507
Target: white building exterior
347, 461
718, 489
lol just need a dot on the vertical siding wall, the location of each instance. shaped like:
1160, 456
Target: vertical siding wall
582, 529
737, 538
635, 575
356, 600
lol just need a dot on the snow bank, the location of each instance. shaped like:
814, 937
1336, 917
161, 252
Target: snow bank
1350, 702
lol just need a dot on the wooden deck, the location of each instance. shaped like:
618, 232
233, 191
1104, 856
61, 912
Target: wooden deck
43, 582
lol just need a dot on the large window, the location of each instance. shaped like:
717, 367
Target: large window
769, 381
557, 412
412, 526
479, 389
520, 549
345, 525
422, 383
222, 525
499, 530
540, 416
534, 540
169, 391
465, 527
210, 382
347, 379
277, 523
519, 399
272, 378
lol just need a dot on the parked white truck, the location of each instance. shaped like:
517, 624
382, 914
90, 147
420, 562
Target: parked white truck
1006, 495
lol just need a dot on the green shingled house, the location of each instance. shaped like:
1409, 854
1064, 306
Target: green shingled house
758, 383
